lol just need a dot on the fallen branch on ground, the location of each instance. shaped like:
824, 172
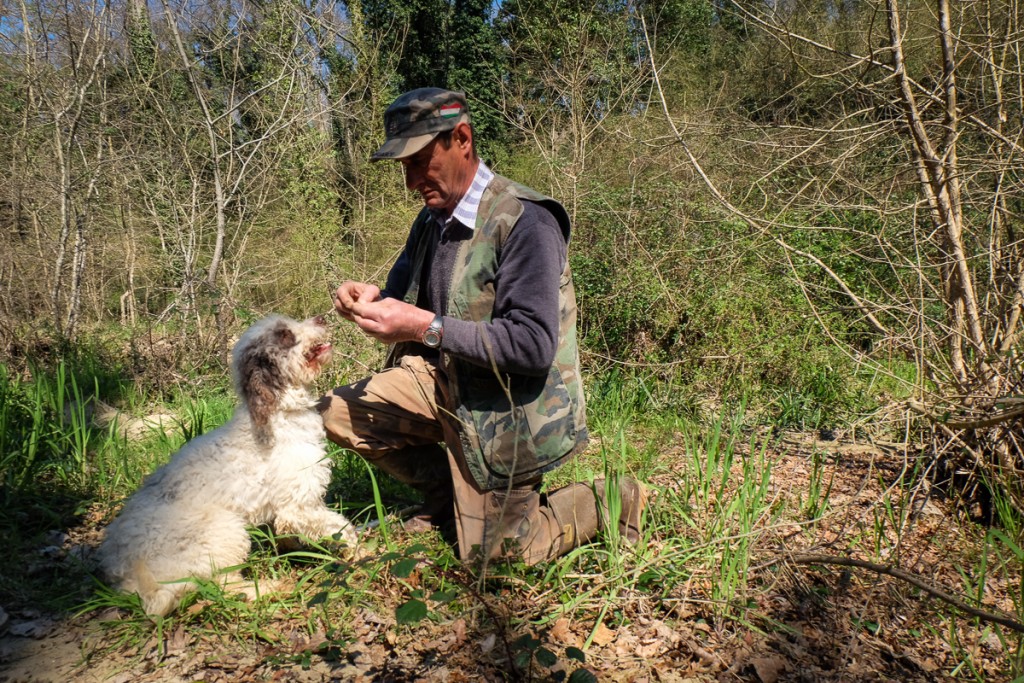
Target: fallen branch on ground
914, 580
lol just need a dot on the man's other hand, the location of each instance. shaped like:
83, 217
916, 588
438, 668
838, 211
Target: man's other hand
346, 296
390, 320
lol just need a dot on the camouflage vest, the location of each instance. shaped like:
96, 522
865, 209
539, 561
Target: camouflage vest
510, 426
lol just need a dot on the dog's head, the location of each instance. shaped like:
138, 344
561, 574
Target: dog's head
274, 355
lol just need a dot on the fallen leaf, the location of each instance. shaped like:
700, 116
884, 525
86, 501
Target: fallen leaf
625, 642
487, 644
318, 640
603, 635
769, 668
560, 632
123, 677
178, 640
374, 618
665, 632
667, 674
650, 648
683, 611
458, 628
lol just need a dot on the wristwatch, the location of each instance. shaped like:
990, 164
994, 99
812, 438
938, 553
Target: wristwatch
434, 332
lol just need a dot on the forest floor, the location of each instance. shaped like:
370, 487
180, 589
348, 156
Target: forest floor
802, 620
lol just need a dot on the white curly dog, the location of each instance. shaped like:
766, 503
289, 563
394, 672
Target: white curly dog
267, 465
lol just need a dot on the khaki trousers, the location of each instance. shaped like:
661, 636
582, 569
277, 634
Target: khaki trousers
396, 420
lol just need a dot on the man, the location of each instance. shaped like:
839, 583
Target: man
481, 313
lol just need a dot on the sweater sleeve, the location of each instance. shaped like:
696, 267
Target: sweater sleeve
523, 331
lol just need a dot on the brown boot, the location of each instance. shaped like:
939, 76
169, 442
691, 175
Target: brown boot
426, 470
575, 509
579, 516
437, 511
633, 499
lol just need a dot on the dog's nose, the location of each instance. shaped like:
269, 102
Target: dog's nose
319, 320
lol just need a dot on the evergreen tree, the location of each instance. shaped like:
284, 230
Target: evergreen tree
477, 65
446, 44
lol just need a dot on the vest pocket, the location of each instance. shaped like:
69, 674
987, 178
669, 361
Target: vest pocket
516, 440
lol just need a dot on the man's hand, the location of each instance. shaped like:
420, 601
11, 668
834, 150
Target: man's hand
390, 320
346, 296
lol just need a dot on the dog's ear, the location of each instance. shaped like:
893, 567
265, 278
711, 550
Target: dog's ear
284, 338
259, 385
260, 377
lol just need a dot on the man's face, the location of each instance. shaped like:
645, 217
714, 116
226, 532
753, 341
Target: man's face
440, 173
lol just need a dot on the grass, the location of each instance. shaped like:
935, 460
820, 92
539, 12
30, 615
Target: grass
718, 522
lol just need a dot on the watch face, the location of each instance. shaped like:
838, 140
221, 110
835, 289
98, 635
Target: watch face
432, 335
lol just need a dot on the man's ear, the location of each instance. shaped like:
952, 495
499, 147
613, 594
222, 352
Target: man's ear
463, 135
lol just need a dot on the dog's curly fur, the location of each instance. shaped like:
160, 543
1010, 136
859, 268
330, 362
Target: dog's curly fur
267, 465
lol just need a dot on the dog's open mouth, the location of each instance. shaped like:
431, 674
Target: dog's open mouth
319, 354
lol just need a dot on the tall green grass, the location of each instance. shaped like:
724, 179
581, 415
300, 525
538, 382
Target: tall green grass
50, 434
60, 463
45, 429
711, 522
724, 500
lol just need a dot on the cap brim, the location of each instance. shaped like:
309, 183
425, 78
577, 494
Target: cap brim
399, 148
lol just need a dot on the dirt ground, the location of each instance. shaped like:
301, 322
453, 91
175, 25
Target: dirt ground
807, 621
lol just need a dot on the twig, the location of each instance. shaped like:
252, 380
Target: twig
914, 580
979, 422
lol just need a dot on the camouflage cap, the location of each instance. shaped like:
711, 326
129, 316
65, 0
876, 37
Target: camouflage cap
416, 117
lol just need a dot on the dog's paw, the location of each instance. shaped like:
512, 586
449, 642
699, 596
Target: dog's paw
341, 545
347, 535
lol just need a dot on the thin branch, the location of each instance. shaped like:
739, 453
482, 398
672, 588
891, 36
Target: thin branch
968, 423
914, 580
729, 205
872, 61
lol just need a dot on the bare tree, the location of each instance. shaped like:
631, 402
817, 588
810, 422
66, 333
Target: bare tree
569, 74
908, 148
65, 51
247, 117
